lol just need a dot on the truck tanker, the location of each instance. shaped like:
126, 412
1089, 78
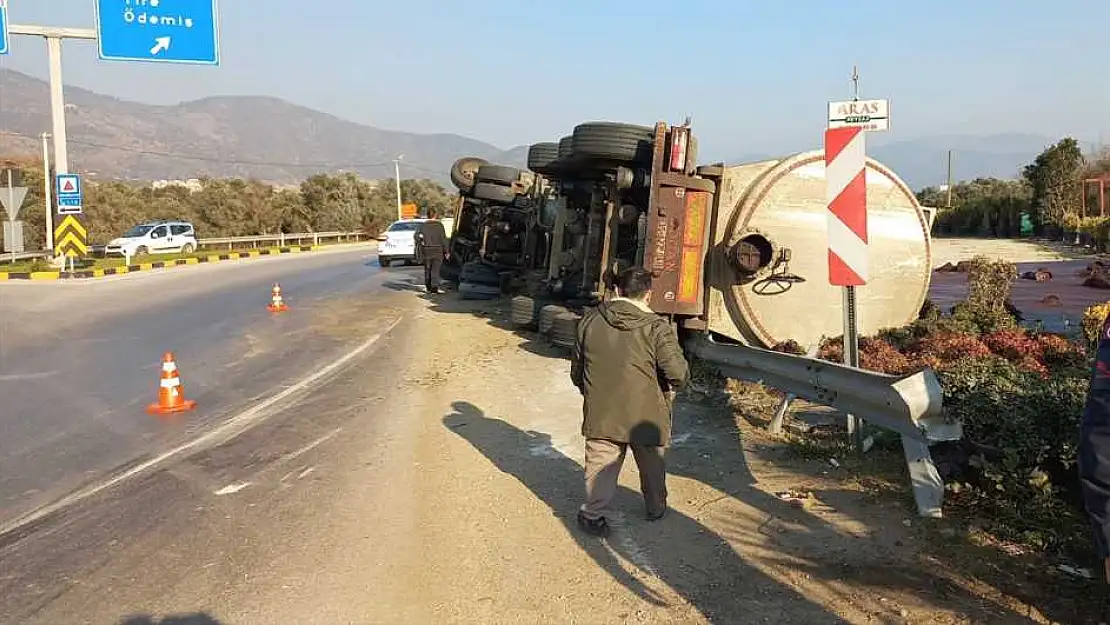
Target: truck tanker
739, 258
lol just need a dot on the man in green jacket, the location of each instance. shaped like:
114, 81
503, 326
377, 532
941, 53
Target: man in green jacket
627, 364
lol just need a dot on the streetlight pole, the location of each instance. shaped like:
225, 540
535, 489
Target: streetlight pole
397, 177
46, 192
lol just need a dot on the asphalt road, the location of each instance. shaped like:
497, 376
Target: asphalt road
80, 361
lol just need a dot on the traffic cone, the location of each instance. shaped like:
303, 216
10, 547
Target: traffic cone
277, 304
171, 397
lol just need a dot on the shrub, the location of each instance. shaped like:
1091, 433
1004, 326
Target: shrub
1030, 423
790, 347
1058, 352
1093, 318
1014, 345
879, 355
950, 347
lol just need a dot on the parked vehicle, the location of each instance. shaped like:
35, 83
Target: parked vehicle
156, 237
399, 244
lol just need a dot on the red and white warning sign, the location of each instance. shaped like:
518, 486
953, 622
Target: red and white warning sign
846, 192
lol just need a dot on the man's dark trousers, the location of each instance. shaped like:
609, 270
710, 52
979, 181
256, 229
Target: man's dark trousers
433, 260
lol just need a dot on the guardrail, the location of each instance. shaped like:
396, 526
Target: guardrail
280, 240
909, 405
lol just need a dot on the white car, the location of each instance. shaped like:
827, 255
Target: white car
156, 237
398, 243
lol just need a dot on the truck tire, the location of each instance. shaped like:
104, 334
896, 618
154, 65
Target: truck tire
470, 290
564, 329
492, 192
610, 141
498, 174
566, 145
541, 156
450, 272
547, 316
480, 273
463, 171
523, 312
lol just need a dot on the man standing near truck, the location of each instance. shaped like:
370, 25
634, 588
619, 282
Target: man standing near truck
431, 246
628, 365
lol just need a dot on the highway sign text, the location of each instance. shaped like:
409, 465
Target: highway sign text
161, 31
866, 114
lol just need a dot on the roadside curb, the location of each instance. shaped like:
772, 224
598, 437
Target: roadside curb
116, 271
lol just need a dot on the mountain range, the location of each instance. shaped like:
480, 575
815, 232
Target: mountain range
277, 141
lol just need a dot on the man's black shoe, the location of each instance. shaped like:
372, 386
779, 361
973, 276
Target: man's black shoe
594, 527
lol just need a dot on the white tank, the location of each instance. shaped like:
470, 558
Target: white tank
779, 205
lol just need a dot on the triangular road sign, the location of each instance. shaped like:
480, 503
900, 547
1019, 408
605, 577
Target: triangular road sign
11, 198
68, 186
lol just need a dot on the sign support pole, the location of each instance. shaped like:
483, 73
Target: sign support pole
46, 194
851, 327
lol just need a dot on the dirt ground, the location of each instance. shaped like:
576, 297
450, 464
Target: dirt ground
498, 479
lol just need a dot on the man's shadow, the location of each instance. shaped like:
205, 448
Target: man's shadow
678, 550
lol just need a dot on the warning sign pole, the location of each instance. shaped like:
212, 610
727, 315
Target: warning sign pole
846, 193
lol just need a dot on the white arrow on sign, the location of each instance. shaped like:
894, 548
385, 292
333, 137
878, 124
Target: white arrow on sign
160, 44
12, 198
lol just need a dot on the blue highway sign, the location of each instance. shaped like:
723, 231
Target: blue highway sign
159, 31
4, 27
68, 193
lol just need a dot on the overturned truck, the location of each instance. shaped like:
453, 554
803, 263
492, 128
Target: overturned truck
739, 256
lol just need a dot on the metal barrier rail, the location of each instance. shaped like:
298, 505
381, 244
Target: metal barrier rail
910, 405
281, 240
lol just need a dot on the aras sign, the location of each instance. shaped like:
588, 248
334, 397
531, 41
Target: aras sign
866, 114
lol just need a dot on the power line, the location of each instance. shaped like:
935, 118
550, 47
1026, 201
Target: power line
228, 161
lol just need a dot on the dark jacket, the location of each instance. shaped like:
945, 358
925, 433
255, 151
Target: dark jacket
627, 359
431, 234
431, 241
1094, 446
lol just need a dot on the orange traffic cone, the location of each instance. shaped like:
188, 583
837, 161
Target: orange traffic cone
277, 304
171, 399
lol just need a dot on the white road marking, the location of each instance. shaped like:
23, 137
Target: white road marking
231, 489
309, 447
16, 377
226, 431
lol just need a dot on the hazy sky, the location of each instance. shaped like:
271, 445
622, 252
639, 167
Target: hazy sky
755, 76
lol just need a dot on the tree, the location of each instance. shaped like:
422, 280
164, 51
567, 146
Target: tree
224, 207
982, 207
1054, 177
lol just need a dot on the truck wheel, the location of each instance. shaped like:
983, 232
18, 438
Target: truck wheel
450, 272
566, 147
492, 192
463, 171
383, 262
610, 141
480, 273
541, 156
499, 174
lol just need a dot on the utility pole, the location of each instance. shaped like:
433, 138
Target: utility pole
397, 175
948, 186
46, 192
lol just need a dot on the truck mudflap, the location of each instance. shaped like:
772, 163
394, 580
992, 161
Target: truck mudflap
909, 405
